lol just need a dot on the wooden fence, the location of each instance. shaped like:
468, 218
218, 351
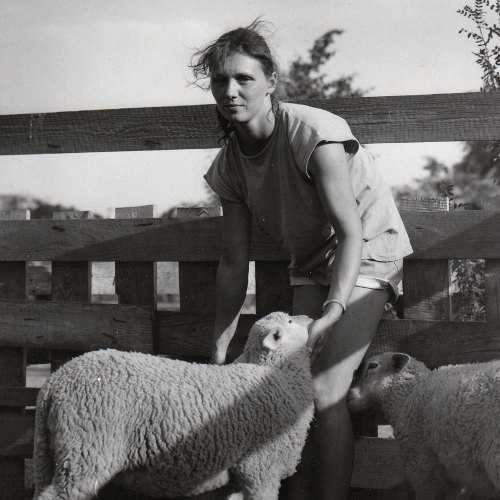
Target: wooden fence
135, 241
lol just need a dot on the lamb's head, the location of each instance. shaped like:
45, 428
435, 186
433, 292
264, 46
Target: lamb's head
276, 336
384, 380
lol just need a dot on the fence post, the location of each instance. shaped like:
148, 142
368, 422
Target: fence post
12, 363
426, 283
272, 287
135, 282
71, 282
197, 279
492, 272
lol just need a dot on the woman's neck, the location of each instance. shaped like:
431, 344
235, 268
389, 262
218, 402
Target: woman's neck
253, 136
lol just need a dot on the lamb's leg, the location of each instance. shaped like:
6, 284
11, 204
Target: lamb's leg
72, 489
259, 477
268, 491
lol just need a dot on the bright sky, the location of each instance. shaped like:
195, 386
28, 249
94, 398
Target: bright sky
59, 55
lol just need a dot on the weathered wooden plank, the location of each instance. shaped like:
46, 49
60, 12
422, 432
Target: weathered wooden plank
377, 464
75, 326
18, 396
424, 204
417, 118
435, 343
492, 288
135, 282
190, 334
272, 287
434, 235
438, 343
71, 282
197, 280
16, 438
12, 362
426, 284
492, 272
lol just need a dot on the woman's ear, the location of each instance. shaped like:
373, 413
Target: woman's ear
272, 83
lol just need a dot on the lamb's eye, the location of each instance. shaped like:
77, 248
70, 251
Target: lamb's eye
290, 321
372, 365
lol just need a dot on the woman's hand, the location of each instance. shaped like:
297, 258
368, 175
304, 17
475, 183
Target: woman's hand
321, 328
218, 357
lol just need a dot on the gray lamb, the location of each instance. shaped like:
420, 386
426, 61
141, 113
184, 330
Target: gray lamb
446, 422
164, 427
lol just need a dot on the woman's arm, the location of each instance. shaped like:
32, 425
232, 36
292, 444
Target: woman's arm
232, 275
330, 171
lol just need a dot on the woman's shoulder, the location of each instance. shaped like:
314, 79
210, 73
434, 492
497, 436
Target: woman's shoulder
309, 126
311, 115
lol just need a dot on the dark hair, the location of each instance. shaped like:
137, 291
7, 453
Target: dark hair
247, 40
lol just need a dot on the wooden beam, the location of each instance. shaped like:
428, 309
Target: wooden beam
438, 343
135, 282
71, 282
190, 334
12, 363
492, 272
18, 396
16, 436
75, 326
434, 235
426, 283
435, 343
415, 118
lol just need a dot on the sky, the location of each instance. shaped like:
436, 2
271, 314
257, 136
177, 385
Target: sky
60, 55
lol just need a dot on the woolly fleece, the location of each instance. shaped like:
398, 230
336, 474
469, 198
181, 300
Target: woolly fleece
447, 423
166, 427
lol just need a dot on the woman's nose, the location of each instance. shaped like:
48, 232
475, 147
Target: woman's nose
231, 89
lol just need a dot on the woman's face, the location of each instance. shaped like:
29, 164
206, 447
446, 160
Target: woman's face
241, 89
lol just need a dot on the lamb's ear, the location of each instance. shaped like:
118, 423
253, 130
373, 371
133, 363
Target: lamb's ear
399, 361
272, 339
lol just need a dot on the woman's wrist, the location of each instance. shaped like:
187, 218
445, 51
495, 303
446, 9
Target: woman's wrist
333, 310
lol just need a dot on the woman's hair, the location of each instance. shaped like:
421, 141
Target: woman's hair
247, 40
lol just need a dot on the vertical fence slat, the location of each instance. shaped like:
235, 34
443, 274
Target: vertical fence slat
426, 283
71, 282
12, 364
197, 279
135, 282
272, 287
492, 272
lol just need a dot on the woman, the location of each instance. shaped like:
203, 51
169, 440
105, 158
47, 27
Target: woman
301, 175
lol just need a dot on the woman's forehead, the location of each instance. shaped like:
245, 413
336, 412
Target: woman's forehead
237, 62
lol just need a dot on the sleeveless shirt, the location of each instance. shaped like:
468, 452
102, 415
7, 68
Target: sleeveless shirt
278, 189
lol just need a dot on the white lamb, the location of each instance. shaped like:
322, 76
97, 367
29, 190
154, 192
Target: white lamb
446, 422
165, 427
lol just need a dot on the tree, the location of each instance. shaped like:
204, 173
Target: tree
305, 79
476, 175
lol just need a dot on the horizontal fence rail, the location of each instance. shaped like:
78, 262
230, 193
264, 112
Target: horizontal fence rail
414, 118
434, 235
